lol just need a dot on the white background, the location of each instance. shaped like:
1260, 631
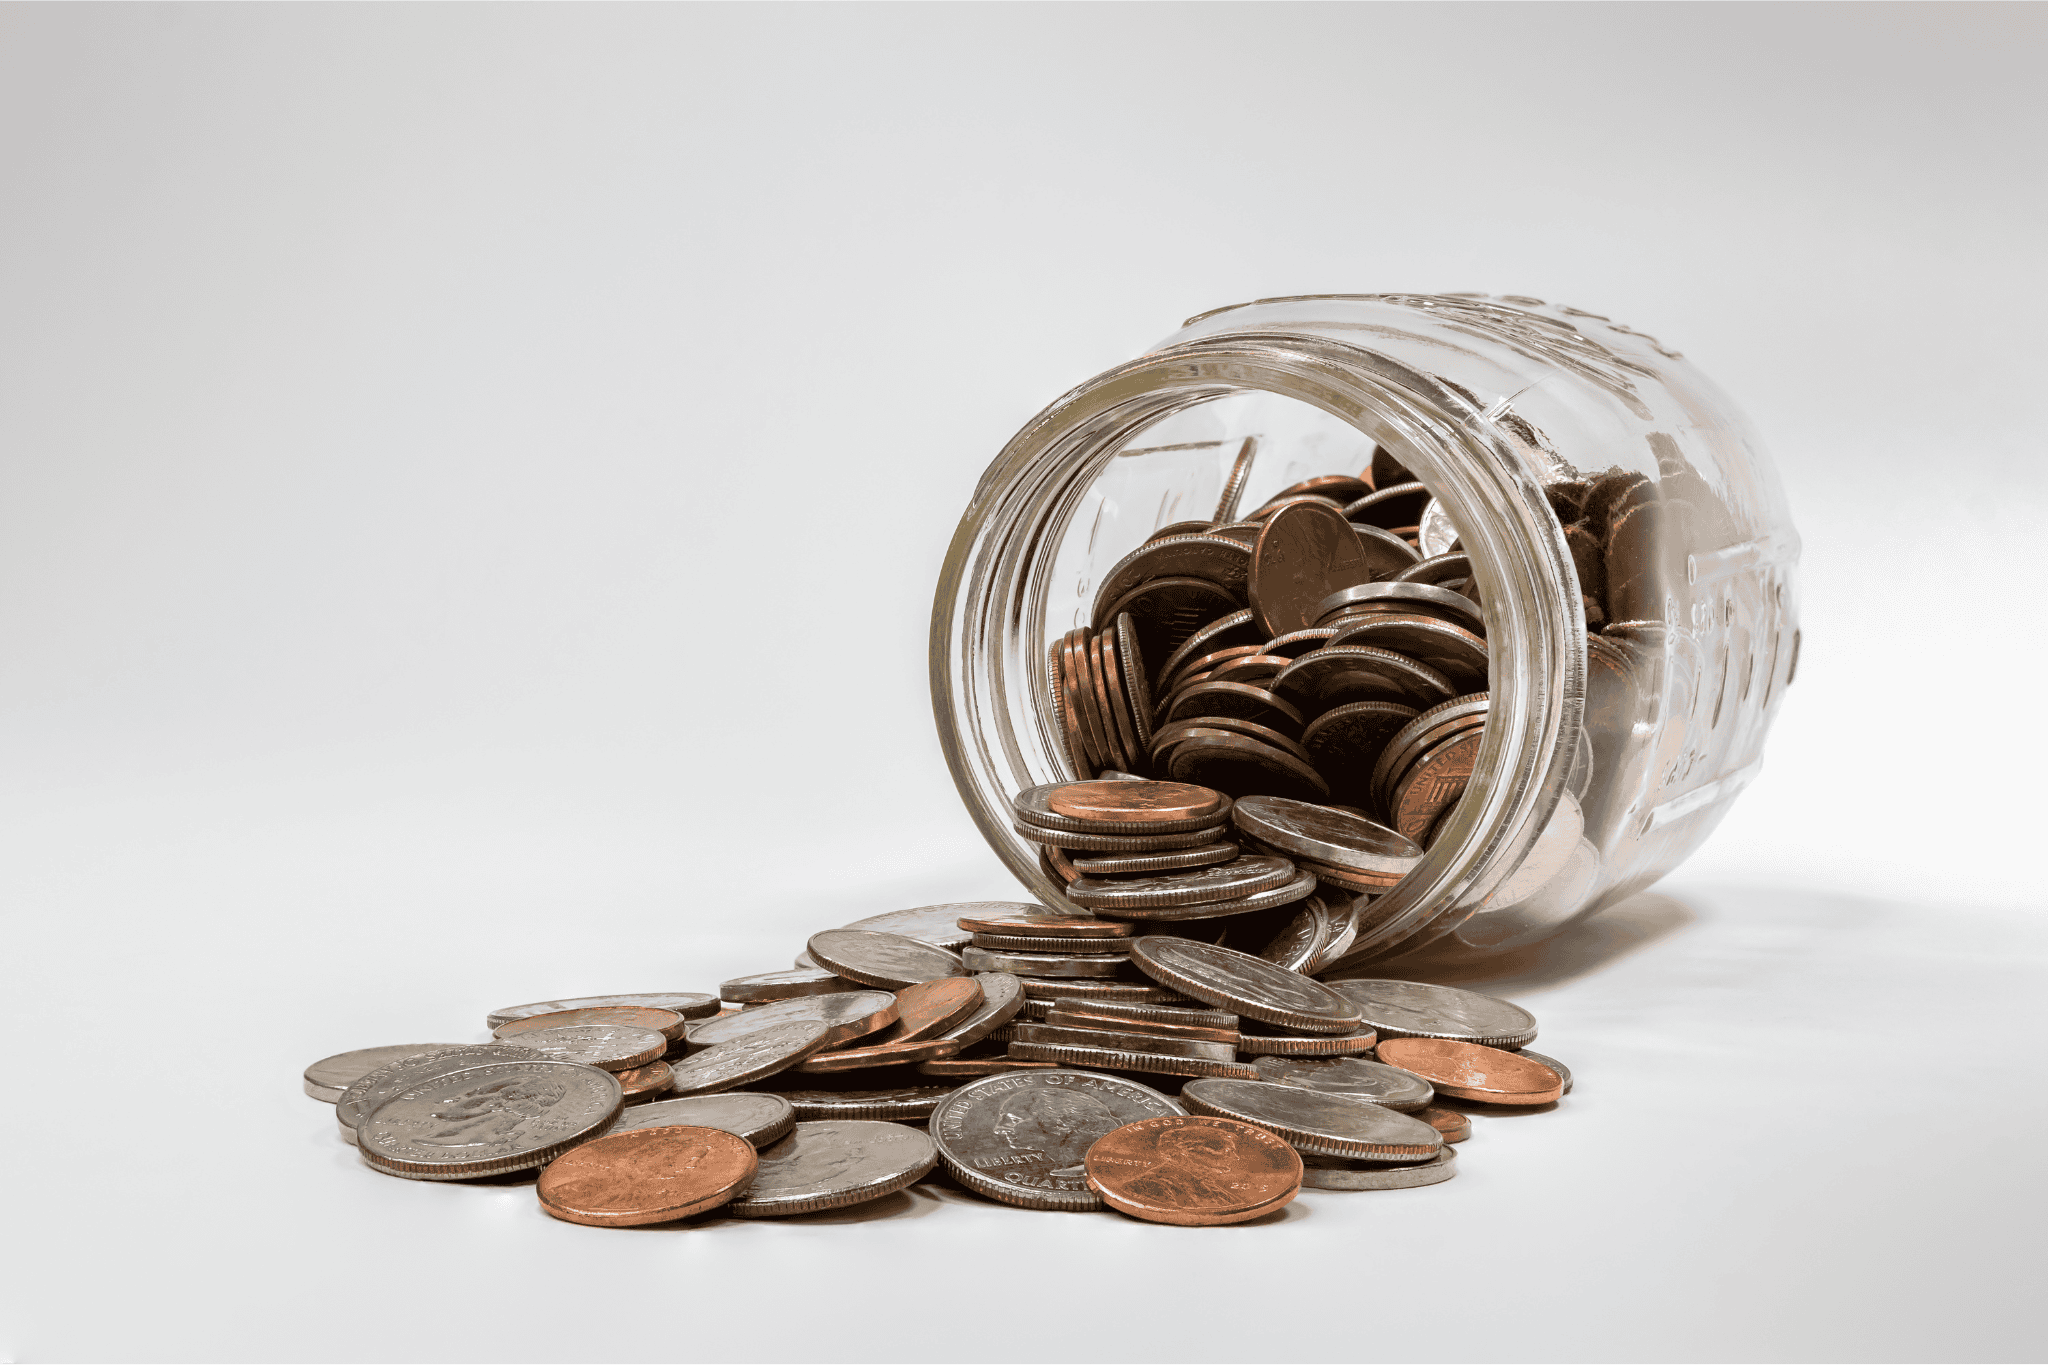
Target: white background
473, 484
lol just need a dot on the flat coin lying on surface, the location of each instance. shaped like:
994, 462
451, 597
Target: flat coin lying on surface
846, 1015
1311, 1121
1154, 1043
1338, 1173
372, 1088
1104, 1058
930, 1008
613, 1047
329, 1077
1233, 880
878, 1054
1454, 1126
1244, 984
1372, 1082
689, 1004
1021, 1139
1104, 965
757, 1117
1468, 1071
1034, 806
832, 1163
727, 1066
938, 925
764, 986
1417, 1009
890, 961
667, 1023
1195, 1171
1037, 920
652, 1175
488, 1120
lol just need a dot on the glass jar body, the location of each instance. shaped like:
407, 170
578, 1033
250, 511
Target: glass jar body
1593, 476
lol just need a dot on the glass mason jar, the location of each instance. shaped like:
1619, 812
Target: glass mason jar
1628, 539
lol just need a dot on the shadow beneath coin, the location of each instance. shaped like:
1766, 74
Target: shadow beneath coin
1584, 948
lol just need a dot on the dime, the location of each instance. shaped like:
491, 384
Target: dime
1417, 1009
372, 1088
667, 1023
1036, 943
1361, 1080
1121, 1042
758, 1118
1435, 535
1130, 659
1245, 765
1220, 560
1194, 1171
1336, 1173
847, 1015
1310, 1121
1388, 507
1119, 1059
1346, 741
1386, 553
1348, 842
930, 1008
1468, 1071
1303, 884
327, 1078
1214, 1025
613, 1047
651, 1079
1021, 1139
1563, 1072
689, 1004
489, 1119
766, 986
1305, 552
1244, 984
1096, 965
1454, 1126
892, 1103
1269, 1043
878, 1054
890, 961
762, 1053
1002, 996
651, 1175
1234, 482
1037, 919
1113, 863
938, 925
833, 1163
1229, 881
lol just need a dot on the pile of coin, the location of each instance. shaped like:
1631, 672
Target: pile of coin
1289, 653
1043, 1057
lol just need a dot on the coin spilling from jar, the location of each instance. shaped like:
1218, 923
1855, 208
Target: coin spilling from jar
1137, 1051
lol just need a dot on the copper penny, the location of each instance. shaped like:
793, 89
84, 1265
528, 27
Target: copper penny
931, 1007
649, 1175
1133, 802
1166, 611
667, 1023
1075, 670
1057, 863
641, 1081
1468, 1071
1111, 671
1063, 705
1306, 552
1436, 781
1046, 923
1193, 1170
879, 1054
1455, 1126
1077, 1014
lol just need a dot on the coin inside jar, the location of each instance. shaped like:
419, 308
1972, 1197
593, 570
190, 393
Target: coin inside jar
649, 1175
1329, 836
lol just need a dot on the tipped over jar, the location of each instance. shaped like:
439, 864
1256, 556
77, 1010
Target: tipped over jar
1527, 597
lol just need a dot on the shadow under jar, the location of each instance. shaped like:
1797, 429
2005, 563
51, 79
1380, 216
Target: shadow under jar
1627, 536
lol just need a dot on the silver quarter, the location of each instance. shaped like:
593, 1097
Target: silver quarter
766, 986
1046, 943
1311, 1121
1274, 1044
329, 1077
1094, 965
1020, 1139
1425, 598
1158, 1014
938, 925
1110, 864
1417, 1009
614, 1047
1296, 946
1120, 1059
1243, 984
889, 961
833, 1163
759, 1118
1130, 992
374, 1087
1153, 1043
1373, 1082
744, 1060
846, 1015
1336, 837
1302, 885
1115, 843
894, 1104
1337, 1173
1233, 880
689, 1004
505, 1116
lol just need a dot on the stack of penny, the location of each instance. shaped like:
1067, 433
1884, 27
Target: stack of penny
1278, 653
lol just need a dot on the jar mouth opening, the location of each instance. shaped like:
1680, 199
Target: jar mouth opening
992, 613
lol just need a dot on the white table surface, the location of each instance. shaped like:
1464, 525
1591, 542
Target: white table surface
471, 483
